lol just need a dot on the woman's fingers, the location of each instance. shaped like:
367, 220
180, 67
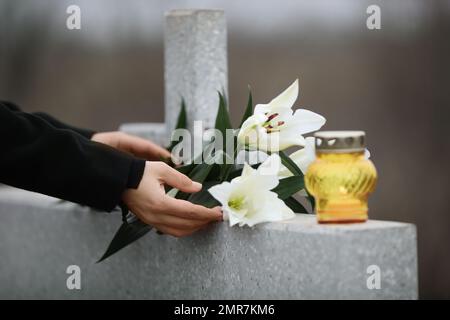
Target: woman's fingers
175, 232
132, 144
176, 179
143, 148
188, 210
177, 222
169, 215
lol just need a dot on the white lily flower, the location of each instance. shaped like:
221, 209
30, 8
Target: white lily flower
275, 126
247, 200
305, 156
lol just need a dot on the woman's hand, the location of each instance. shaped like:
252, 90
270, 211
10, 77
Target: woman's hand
151, 205
138, 147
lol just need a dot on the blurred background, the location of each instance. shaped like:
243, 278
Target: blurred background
393, 83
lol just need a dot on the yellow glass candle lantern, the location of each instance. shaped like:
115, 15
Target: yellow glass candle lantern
341, 178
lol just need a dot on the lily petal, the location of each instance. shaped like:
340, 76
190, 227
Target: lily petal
233, 220
304, 157
247, 171
248, 134
306, 121
271, 166
287, 98
284, 100
262, 109
274, 209
288, 140
221, 192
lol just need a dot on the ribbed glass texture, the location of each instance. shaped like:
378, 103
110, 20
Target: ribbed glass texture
341, 184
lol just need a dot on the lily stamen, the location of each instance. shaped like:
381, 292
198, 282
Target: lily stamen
272, 116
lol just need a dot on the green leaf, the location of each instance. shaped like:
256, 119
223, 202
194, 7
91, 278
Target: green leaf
186, 169
249, 109
203, 197
234, 174
214, 174
295, 206
247, 113
225, 171
181, 123
289, 186
290, 164
200, 172
127, 233
223, 123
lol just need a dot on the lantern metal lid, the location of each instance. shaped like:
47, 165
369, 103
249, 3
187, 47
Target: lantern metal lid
340, 141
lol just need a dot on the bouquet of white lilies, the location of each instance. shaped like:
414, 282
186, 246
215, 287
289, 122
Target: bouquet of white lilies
247, 173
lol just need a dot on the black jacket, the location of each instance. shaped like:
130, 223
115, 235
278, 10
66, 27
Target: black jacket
41, 154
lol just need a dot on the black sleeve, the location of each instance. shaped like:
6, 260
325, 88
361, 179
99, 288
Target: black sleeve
37, 156
54, 122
